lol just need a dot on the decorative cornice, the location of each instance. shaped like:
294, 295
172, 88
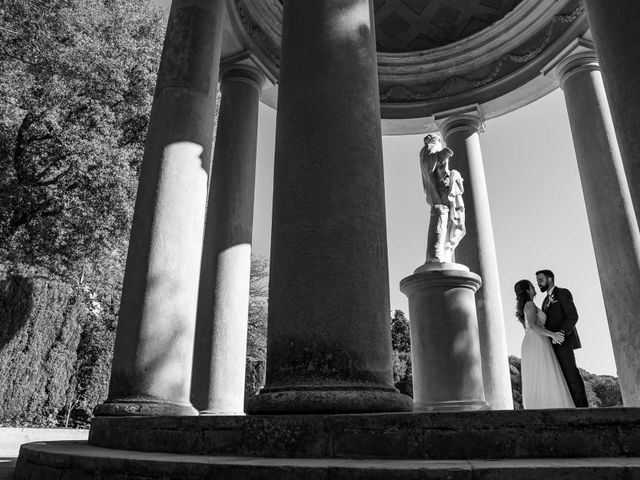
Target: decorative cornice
491, 65
468, 119
266, 47
239, 72
454, 84
577, 63
578, 56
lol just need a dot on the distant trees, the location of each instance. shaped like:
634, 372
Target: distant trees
401, 346
76, 86
257, 326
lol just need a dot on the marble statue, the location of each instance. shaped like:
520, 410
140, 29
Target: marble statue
443, 188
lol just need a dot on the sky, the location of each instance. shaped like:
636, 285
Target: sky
537, 209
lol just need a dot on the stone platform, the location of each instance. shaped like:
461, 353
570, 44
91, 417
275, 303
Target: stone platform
79, 461
607, 432
578, 443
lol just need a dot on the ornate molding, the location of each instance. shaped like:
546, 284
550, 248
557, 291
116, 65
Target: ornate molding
496, 67
469, 118
264, 42
457, 83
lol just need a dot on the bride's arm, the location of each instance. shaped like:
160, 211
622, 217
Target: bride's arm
530, 318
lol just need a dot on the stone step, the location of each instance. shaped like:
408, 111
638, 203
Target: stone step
80, 461
7, 466
610, 432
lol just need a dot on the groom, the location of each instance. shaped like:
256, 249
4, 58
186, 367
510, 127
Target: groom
562, 317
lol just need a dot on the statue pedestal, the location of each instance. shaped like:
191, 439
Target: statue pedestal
445, 350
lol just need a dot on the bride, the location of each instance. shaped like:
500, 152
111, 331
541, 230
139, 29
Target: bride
543, 384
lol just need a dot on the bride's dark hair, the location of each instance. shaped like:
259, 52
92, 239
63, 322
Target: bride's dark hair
522, 297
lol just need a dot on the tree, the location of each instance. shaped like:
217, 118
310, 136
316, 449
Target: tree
77, 80
401, 345
257, 325
258, 295
76, 87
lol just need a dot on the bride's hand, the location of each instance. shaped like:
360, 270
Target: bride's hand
557, 337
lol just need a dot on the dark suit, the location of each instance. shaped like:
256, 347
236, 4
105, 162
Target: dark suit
562, 316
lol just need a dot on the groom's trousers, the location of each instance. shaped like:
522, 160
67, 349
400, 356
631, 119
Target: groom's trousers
567, 361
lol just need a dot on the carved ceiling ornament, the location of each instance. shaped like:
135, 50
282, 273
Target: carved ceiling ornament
494, 42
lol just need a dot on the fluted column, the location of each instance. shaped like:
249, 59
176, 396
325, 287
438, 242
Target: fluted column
223, 302
614, 230
151, 370
329, 346
477, 251
614, 28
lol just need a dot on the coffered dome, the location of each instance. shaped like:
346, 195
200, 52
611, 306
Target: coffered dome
415, 25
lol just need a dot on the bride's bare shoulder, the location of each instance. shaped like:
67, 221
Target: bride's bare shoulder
530, 307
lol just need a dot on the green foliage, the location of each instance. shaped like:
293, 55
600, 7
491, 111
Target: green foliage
516, 382
401, 345
258, 295
39, 336
76, 87
56, 344
257, 326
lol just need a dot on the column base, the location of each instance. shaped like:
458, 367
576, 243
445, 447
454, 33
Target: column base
331, 399
127, 408
455, 406
210, 413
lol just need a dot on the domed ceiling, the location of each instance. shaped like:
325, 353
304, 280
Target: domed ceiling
435, 56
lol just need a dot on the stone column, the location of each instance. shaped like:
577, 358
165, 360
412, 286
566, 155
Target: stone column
614, 28
329, 345
151, 370
223, 303
478, 252
614, 230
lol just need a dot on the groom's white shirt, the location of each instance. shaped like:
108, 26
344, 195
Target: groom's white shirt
550, 291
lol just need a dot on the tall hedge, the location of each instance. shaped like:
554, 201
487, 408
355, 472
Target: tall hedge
40, 329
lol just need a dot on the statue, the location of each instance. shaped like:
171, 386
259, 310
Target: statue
443, 188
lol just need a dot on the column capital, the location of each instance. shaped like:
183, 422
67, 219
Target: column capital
575, 63
578, 56
468, 119
240, 72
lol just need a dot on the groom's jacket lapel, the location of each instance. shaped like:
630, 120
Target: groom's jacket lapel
562, 315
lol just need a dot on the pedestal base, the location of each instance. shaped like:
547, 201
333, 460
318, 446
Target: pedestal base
445, 350
143, 408
455, 406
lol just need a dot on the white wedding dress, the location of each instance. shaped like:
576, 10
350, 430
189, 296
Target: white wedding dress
543, 384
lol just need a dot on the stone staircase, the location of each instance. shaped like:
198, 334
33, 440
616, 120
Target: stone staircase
544, 444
